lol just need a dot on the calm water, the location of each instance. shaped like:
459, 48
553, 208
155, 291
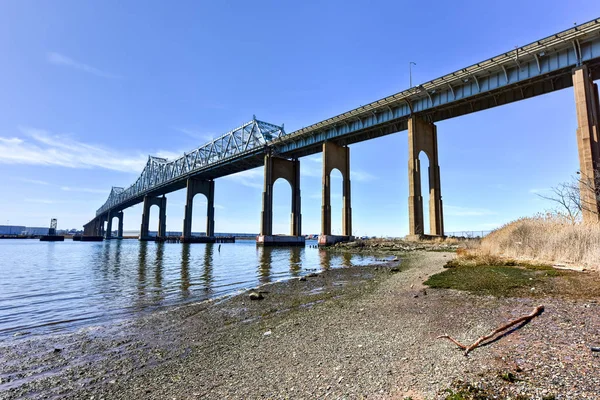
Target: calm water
48, 287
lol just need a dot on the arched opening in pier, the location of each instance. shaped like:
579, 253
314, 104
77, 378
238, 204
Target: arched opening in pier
425, 189
199, 211
282, 205
335, 195
153, 220
114, 226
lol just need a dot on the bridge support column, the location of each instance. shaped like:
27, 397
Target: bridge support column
289, 170
161, 202
207, 188
120, 226
102, 231
336, 157
422, 136
108, 233
588, 145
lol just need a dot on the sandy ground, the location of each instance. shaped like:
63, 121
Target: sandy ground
367, 332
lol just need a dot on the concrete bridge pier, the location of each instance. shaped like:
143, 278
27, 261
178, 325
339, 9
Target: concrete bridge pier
108, 233
289, 170
102, 232
149, 201
422, 136
335, 157
120, 227
588, 142
207, 188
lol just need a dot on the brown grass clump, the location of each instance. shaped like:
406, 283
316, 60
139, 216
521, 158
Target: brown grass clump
544, 239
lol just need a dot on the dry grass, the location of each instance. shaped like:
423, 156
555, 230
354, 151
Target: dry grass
546, 239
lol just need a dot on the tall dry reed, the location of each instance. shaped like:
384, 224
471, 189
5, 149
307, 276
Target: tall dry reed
546, 238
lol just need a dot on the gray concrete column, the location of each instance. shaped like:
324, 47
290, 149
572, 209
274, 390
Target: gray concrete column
336, 157
108, 234
289, 170
210, 210
422, 136
588, 142
296, 215
144, 228
194, 187
162, 217
161, 202
120, 227
266, 215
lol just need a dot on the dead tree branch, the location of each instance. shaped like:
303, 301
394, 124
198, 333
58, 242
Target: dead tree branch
537, 311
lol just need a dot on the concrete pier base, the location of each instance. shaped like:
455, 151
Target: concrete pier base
93, 238
417, 238
330, 240
280, 240
198, 239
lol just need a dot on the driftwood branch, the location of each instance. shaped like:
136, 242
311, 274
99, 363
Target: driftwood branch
537, 311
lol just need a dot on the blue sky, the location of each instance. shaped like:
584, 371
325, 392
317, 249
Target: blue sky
89, 89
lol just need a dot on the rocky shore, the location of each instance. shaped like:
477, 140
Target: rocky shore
362, 332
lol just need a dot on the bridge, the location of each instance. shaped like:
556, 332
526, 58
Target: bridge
569, 58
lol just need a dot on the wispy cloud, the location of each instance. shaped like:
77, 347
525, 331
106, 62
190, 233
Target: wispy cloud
466, 211
169, 155
84, 190
362, 176
39, 147
32, 181
538, 190
41, 201
205, 137
252, 178
62, 60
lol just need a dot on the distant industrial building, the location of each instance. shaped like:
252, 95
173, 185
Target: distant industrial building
16, 230
11, 230
35, 231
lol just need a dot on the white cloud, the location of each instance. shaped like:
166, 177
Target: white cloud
169, 155
85, 190
252, 178
11, 141
33, 181
457, 211
41, 201
538, 190
361, 176
59, 59
43, 148
197, 134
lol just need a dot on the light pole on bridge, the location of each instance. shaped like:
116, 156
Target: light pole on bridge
410, 64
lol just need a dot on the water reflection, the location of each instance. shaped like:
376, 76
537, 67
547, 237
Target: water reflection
207, 276
264, 267
185, 270
295, 261
324, 259
143, 251
158, 271
347, 259
117, 262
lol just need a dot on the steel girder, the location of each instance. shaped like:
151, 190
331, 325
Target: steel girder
246, 139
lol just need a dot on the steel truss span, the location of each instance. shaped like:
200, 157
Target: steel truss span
254, 136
